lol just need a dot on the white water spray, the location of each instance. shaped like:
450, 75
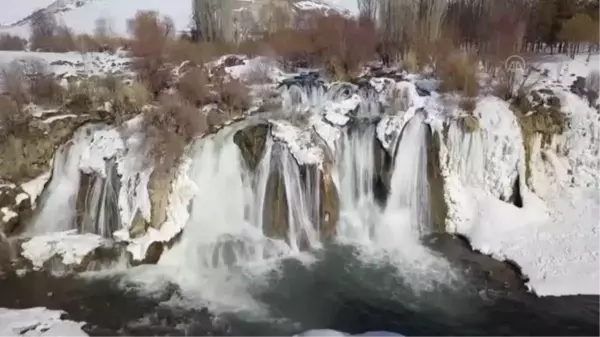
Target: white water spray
355, 171
407, 212
57, 207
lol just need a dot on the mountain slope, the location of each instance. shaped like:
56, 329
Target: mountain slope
81, 15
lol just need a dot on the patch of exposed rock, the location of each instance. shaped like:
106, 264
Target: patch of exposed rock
15, 208
252, 141
27, 152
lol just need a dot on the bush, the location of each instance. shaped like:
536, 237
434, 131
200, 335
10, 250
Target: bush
194, 86
30, 80
14, 81
48, 36
150, 38
170, 127
459, 73
592, 81
11, 116
45, 90
343, 44
11, 42
234, 96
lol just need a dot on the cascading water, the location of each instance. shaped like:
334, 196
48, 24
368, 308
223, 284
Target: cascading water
302, 200
73, 200
57, 208
408, 203
101, 208
223, 229
355, 167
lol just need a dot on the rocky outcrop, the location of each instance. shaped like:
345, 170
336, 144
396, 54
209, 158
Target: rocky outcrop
98, 195
15, 208
329, 208
317, 185
27, 152
159, 188
439, 209
252, 141
275, 212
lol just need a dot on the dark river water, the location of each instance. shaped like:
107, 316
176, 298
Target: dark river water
338, 291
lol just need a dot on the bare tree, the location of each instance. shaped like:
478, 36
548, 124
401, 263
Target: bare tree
368, 8
432, 15
213, 20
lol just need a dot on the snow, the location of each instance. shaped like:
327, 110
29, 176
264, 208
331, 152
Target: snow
83, 19
299, 141
134, 170
183, 190
72, 247
7, 214
37, 322
20, 198
21, 9
554, 237
104, 144
35, 186
329, 332
73, 64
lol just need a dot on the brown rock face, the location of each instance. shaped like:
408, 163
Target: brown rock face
318, 190
275, 212
27, 153
252, 141
439, 209
15, 209
159, 187
329, 209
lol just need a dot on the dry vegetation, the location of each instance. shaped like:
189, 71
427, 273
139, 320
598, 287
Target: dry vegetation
11, 42
449, 39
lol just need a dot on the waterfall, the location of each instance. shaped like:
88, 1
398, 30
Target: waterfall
224, 228
302, 199
407, 213
57, 207
100, 213
355, 166
74, 200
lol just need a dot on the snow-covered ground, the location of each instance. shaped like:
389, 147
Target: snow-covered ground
554, 237
73, 64
82, 19
37, 322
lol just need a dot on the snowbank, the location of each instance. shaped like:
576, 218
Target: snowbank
554, 236
69, 245
37, 322
74, 64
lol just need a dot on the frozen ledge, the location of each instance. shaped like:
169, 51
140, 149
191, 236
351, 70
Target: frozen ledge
37, 322
69, 245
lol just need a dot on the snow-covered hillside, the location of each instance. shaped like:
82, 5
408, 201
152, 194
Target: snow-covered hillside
81, 15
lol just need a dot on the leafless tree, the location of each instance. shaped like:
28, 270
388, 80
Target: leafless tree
213, 19
368, 8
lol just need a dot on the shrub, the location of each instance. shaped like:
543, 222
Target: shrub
150, 38
459, 73
194, 86
11, 116
11, 42
343, 44
30, 80
170, 127
14, 81
592, 81
234, 95
47, 35
45, 90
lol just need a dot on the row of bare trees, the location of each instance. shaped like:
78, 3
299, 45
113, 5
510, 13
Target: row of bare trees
487, 26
